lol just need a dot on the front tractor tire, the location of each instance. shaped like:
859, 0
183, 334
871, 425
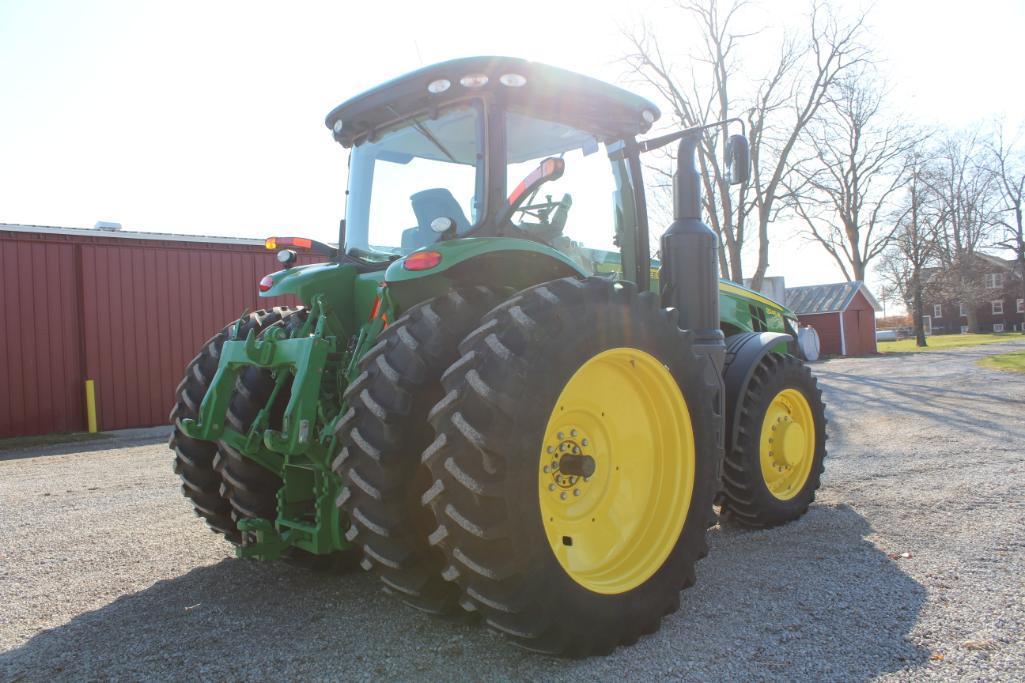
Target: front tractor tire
775, 465
574, 465
383, 434
196, 461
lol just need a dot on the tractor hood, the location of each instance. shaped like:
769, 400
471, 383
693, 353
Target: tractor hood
572, 98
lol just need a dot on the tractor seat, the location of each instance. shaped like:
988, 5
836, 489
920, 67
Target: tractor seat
428, 205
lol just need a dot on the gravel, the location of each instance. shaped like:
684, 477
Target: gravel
910, 565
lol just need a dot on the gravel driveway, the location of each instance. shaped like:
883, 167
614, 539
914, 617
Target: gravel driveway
911, 565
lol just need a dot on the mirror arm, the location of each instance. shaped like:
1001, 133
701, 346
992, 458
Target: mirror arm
662, 141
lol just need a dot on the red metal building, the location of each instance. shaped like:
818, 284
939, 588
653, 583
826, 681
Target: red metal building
127, 310
843, 314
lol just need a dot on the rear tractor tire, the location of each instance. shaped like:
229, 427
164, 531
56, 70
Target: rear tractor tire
196, 461
573, 467
775, 465
383, 434
249, 488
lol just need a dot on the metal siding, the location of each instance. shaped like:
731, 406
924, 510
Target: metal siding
40, 365
126, 313
860, 327
828, 327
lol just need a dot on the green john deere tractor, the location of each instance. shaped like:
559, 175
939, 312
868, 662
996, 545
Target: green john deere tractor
481, 399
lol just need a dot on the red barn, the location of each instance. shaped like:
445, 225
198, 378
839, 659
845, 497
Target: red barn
843, 314
126, 310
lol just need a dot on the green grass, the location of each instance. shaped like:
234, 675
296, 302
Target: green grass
47, 440
947, 341
1014, 361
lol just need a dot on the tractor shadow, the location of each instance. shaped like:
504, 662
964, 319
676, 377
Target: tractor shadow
812, 600
78, 444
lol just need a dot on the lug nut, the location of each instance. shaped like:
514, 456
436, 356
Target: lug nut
550, 449
562, 495
573, 432
561, 436
583, 442
576, 492
547, 469
551, 487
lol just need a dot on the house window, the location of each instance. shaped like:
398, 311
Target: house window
997, 306
964, 311
1021, 305
964, 329
994, 280
937, 311
998, 327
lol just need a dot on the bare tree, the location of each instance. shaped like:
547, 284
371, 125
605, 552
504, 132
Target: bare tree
912, 248
966, 192
777, 107
858, 160
1009, 169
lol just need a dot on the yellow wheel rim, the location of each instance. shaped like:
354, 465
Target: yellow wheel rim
787, 444
616, 471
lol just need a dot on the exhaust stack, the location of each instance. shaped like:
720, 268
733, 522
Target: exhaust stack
689, 278
689, 275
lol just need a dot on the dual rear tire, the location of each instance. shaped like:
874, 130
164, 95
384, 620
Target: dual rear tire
199, 463
224, 486
563, 490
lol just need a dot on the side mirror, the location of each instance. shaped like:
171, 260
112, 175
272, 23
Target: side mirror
738, 160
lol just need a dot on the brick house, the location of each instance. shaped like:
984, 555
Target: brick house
1004, 310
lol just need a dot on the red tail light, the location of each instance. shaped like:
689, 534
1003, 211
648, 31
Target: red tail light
422, 260
266, 283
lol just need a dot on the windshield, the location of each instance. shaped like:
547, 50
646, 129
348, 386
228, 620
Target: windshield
427, 168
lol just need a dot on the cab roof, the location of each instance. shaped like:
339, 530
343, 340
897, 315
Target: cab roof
548, 91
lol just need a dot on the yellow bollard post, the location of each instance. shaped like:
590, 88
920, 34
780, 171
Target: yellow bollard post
90, 405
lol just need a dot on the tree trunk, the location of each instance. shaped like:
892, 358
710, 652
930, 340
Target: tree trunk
858, 269
973, 319
763, 250
736, 266
1021, 265
919, 323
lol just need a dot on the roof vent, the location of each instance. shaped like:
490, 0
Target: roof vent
107, 225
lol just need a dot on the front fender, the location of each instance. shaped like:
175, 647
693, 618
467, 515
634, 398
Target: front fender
743, 353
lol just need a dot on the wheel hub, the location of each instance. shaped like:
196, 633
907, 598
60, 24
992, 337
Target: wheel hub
571, 467
787, 443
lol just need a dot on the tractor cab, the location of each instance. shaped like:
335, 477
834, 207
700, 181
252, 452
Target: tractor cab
496, 147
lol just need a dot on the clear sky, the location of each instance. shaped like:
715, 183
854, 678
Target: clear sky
207, 117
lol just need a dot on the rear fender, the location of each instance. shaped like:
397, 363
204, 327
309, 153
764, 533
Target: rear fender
494, 261
345, 294
743, 354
